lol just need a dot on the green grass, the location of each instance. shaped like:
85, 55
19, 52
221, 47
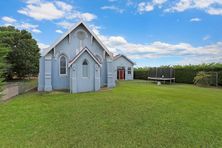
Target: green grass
134, 114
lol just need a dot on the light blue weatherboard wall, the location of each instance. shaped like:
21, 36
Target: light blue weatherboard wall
85, 84
70, 47
123, 62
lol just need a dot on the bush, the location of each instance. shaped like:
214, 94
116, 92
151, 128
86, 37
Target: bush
202, 78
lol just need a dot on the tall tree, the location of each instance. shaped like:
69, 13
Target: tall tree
23, 55
3, 53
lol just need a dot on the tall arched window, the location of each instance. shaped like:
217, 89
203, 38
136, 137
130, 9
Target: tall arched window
63, 67
85, 68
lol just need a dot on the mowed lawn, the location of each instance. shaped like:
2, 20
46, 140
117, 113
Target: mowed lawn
134, 114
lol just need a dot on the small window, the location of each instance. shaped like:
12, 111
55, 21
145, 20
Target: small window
85, 69
63, 65
129, 70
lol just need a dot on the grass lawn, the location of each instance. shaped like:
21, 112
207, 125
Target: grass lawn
134, 114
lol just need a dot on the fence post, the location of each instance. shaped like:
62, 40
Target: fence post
216, 79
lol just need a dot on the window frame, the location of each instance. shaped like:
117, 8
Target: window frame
83, 76
60, 74
129, 69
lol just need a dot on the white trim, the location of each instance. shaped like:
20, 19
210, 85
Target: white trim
80, 53
47, 50
129, 70
88, 70
63, 75
69, 38
100, 58
120, 55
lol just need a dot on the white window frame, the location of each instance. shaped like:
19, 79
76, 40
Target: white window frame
87, 68
60, 65
129, 70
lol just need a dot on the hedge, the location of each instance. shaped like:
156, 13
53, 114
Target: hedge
184, 74
141, 74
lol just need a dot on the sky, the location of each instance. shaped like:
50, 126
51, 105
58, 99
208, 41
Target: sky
150, 32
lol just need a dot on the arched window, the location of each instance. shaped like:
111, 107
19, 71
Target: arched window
63, 67
85, 68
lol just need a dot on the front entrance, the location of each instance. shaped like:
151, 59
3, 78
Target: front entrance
121, 73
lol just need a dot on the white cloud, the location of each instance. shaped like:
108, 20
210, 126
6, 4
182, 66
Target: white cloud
159, 2
7, 24
59, 31
7, 19
52, 10
42, 11
195, 19
42, 45
207, 37
158, 49
212, 7
81, 16
64, 6
27, 26
114, 8
149, 6
214, 11
32, 1
65, 24
87, 16
117, 40
180, 6
145, 7
36, 31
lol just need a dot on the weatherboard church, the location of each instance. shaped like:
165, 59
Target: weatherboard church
79, 62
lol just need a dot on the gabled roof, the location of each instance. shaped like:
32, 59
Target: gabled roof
80, 53
47, 50
120, 55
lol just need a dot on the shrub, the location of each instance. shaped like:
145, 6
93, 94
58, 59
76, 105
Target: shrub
202, 78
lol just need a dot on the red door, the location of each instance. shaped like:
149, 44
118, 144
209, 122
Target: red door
121, 74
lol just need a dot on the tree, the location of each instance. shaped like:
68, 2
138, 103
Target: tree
23, 54
3, 52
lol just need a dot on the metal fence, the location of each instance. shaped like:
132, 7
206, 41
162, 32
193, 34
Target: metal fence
12, 89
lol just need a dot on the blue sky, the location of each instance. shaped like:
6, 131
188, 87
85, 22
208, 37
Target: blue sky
150, 32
